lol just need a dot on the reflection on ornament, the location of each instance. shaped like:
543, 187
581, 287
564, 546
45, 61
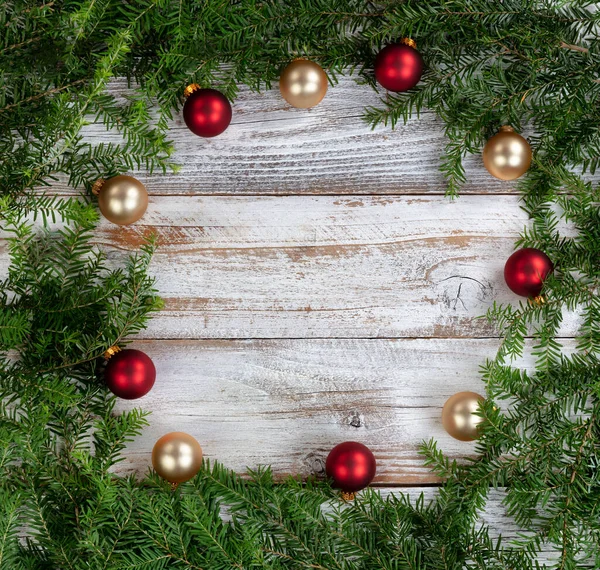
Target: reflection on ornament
303, 83
526, 270
121, 199
352, 467
459, 415
177, 457
206, 112
507, 155
399, 67
130, 373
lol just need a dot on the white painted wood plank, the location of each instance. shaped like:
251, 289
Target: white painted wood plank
322, 266
286, 403
272, 148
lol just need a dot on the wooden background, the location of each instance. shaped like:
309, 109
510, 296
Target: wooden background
318, 287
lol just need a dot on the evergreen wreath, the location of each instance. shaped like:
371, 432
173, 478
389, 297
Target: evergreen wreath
489, 62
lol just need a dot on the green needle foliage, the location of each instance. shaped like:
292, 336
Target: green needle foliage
531, 64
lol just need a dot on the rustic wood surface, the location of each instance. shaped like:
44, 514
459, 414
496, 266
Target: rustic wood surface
272, 148
286, 402
325, 266
318, 287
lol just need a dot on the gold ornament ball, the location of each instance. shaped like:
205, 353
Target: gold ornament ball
303, 83
507, 155
122, 199
177, 457
458, 416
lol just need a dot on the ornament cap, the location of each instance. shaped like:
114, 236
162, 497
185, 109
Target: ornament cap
537, 300
190, 89
98, 186
111, 351
408, 42
348, 495
506, 129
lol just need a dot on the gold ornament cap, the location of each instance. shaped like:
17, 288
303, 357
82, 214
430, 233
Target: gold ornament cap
109, 352
98, 186
408, 42
348, 495
190, 89
538, 300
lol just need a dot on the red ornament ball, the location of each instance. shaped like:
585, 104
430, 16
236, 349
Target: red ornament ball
207, 112
525, 271
130, 374
351, 465
398, 67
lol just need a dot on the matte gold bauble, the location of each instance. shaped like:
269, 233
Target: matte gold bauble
507, 155
177, 457
458, 416
122, 199
303, 83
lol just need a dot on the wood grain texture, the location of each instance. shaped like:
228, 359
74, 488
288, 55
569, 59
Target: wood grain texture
288, 402
272, 148
323, 266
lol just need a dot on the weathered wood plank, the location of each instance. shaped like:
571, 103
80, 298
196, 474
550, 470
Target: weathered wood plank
305, 266
286, 403
272, 148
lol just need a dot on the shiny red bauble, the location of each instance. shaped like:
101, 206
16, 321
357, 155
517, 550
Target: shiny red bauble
525, 271
207, 112
351, 465
398, 67
130, 374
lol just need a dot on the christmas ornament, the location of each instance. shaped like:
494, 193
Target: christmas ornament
398, 67
177, 457
121, 199
507, 155
351, 465
303, 83
129, 374
525, 271
458, 416
206, 112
